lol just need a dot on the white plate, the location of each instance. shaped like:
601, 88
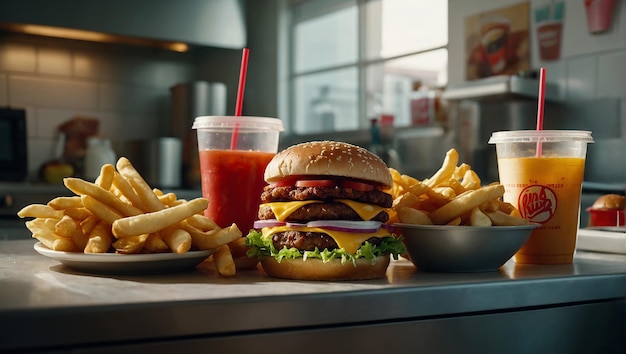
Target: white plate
112, 263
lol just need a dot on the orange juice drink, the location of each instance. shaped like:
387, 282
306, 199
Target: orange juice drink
545, 191
542, 173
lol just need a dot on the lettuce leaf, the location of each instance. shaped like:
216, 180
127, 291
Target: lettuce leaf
265, 248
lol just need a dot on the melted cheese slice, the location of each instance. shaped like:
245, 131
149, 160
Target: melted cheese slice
282, 210
350, 241
365, 211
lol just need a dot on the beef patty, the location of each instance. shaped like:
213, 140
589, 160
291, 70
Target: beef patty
289, 193
308, 241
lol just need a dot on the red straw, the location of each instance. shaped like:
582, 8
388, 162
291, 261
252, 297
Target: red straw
240, 89
542, 95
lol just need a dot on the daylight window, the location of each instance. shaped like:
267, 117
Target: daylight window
355, 60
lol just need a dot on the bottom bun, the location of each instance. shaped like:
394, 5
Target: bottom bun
315, 269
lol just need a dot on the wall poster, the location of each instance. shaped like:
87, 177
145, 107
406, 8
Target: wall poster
497, 42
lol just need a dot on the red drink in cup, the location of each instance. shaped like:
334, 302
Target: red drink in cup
233, 181
232, 176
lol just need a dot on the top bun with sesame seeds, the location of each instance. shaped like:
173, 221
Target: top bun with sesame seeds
328, 158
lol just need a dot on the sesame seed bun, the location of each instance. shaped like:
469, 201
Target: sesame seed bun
328, 158
609, 202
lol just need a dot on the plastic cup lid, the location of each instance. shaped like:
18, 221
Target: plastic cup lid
531, 136
261, 123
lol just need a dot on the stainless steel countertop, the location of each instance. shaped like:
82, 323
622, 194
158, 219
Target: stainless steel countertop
39, 293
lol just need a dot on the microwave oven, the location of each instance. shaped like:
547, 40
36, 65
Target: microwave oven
13, 155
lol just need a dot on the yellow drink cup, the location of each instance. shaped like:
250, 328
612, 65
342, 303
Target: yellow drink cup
542, 173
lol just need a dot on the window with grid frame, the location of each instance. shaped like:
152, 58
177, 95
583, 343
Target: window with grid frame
354, 60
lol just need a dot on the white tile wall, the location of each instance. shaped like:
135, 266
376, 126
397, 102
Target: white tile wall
54, 61
581, 77
125, 88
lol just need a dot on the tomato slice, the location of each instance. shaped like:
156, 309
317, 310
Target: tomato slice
316, 183
359, 186
282, 183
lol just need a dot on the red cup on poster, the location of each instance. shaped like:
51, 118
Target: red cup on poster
494, 38
549, 38
599, 15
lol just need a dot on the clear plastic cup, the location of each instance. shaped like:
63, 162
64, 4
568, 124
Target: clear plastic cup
234, 152
542, 173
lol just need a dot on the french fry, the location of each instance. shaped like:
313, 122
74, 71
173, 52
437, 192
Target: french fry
478, 218
61, 203
65, 227
459, 172
101, 210
499, 218
413, 216
99, 239
405, 200
46, 238
490, 205
39, 211
445, 192
224, 262
155, 244
82, 187
447, 169
105, 179
63, 245
42, 225
88, 224
167, 199
77, 213
132, 244
152, 222
202, 222
143, 190
122, 185
470, 180
418, 188
212, 239
80, 239
507, 208
465, 203
177, 239
455, 222
456, 186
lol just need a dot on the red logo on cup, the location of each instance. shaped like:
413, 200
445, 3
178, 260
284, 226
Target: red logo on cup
537, 203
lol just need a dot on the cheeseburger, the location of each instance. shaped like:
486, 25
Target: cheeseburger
323, 214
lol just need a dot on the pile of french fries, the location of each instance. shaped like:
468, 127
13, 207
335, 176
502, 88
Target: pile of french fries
452, 196
121, 213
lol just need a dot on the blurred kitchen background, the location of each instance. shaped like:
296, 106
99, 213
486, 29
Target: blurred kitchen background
395, 76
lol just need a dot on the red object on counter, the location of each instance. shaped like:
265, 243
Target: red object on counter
232, 181
599, 217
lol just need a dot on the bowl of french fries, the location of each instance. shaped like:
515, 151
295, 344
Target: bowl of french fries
120, 219
452, 223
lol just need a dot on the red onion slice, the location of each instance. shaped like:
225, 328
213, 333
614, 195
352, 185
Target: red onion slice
346, 225
259, 224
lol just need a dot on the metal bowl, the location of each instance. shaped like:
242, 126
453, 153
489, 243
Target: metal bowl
437, 248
